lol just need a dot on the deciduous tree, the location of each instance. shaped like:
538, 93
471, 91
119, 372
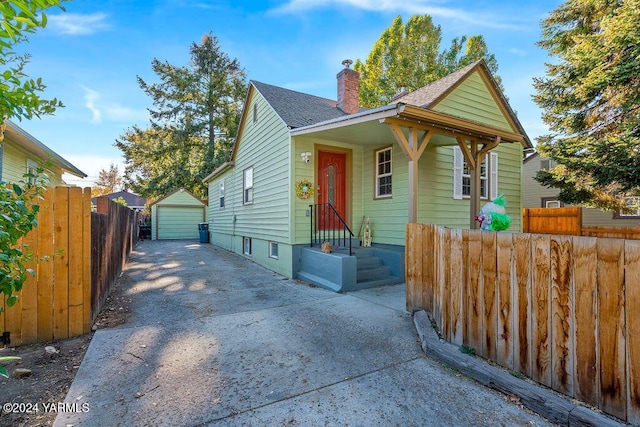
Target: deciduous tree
193, 123
590, 98
109, 181
408, 57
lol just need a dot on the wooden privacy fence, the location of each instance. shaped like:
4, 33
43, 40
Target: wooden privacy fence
568, 221
565, 311
67, 292
56, 303
114, 232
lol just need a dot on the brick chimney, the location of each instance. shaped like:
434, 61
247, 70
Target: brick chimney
348, 88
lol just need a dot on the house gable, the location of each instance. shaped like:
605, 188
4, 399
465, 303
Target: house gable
19, 147
474, 99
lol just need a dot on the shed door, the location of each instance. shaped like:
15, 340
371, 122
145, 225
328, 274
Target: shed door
179, 222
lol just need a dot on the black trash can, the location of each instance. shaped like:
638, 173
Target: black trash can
203, 228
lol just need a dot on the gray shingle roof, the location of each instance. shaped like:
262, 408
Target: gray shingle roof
298, 109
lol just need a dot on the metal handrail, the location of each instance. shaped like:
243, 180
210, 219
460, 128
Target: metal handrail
336, 227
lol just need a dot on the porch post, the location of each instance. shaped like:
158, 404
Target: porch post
413, 177
412, 149
475, 185
474, 157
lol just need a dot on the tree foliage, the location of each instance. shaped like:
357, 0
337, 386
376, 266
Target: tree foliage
109, 181
19, 98
19, 95
18, 216
193, 125
408, 57
590, 98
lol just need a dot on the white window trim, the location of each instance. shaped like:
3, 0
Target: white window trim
378, 175
221, 198
458, 174
273, 254
246, 250
556, 202
246, 187
636, 214
32, 168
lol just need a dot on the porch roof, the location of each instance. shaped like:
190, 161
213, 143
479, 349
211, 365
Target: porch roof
365, 126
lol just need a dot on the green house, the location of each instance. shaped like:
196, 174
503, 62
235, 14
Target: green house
21, 153
307, 170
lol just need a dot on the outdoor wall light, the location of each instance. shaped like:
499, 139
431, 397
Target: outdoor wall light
306, 156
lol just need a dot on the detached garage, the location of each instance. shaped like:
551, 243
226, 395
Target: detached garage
177, 216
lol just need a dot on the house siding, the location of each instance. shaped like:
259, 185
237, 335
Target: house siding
436, 205
474, 101
264, 146
533, 192
14, 165
302, 170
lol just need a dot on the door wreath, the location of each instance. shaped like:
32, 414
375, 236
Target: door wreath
304, 189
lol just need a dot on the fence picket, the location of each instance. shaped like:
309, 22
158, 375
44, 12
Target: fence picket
587, 371
632, 300
29, 294
455, 285
475, 294
611, 326
562, 347
504, 300
540, 309
45, 267
489, 290
523, 349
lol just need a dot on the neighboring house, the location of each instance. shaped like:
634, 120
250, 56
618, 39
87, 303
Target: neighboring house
133, 201
21, 153
535, 195
404, 162
177, 216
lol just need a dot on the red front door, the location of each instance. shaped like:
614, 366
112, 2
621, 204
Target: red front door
332, 177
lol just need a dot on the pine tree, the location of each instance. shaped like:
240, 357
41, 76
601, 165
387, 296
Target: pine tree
193, 123
591, 98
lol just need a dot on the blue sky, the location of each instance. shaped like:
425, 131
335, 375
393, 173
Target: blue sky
90, 55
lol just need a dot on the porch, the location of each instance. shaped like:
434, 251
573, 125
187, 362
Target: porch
368, 267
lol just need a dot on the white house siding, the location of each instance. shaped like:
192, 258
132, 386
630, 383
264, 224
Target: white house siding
533, 193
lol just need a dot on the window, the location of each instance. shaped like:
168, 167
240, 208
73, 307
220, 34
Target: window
547, 164
246, 245
633, 203
383, 173
247, 193
273, 250
550, 202
255, 113
32, 171
462, 176
221, 193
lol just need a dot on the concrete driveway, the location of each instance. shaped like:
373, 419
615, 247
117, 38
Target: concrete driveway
215, 339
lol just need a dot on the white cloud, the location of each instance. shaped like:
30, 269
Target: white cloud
90, 98
421, 7
112, 112
91, 165
519, 52
77, 24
